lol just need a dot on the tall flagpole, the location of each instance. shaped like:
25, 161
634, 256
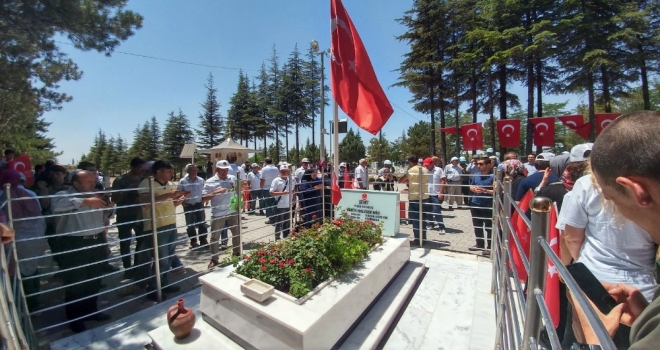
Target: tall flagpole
335, 151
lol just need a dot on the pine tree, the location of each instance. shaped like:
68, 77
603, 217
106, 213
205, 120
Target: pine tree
312, 72
293, 90
177, 133
95, 153
351, 148
122, 154
109, 160
154, 139
239, 118
263, 125
211, 125
275, 151
276, 116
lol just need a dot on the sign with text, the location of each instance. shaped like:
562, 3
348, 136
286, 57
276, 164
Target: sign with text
376, 206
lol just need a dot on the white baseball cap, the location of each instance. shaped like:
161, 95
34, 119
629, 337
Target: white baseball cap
255, 165
342, 164
387, 162
222, 164
453, 159
580, 153
284, 166
304, 160
545, 156
490, 150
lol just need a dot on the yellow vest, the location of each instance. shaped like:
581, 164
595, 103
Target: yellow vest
415, 186
165, 210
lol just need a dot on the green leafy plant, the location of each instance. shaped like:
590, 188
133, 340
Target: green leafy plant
299, 264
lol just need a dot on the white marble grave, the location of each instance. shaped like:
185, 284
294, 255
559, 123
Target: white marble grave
319, 323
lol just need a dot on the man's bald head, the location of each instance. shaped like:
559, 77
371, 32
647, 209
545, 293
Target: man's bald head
83, 180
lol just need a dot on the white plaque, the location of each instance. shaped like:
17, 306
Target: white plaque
377, 206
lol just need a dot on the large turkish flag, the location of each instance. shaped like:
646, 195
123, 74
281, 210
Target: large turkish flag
551, 293
508, 130
22, 165
576, 123
523, 232
603, 120
473, 138
544, 131
354, 84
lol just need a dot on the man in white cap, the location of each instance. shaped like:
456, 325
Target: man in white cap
193, 206
453, 173
531, 182
491, 153
301, 171
256, 183
268, 174
386, 165
282, 190
219, 189
361, 181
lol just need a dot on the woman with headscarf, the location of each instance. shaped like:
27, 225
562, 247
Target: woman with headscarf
514, 169
310, 198
29, 226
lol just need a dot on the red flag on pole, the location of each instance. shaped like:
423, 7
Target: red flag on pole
354, 84
523, 233
449, 130
603, 120
22, 165
473, 138
544, 131
335, 194
576, 123
508, 130
551, 293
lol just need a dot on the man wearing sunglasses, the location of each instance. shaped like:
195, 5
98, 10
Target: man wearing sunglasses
481, 204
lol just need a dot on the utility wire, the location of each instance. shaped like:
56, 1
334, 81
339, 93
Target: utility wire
404, 111
169, 60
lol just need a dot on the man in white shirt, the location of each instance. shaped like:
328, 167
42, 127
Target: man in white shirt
453, 175
301, 171
219, 189
361, 181
530, 165
235, 170
193, 206
256, 184
282, 189
436, 185
386, 165
268, 174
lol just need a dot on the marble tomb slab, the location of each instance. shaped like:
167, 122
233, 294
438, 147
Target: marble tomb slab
319, 323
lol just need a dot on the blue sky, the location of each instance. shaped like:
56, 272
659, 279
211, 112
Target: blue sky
119, 92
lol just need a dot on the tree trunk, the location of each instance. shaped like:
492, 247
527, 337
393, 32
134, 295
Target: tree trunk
530, 94
644, 77
590, 96
491, 109
473, 91
606, 90
297, 143
432, 148
443, 136
456, 106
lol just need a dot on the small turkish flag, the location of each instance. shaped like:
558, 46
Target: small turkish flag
354, 84
603, 120
335, 194
551, 292
473, 138
576, 123
22, 165
508, 130
449, 130
523, 233
544, 131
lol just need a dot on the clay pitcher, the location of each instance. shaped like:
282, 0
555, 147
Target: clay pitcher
180, 319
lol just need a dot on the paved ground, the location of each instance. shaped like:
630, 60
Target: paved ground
458, 238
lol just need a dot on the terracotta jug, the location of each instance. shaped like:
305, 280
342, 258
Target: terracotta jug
180, 319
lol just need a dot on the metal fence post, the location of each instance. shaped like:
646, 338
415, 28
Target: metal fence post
241, 205
292, 187
322, 193
421, 201
154, 233
495, 242
541, 207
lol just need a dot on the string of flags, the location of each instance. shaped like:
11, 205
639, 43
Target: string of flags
508, 130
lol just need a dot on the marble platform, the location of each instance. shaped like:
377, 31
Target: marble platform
319, 323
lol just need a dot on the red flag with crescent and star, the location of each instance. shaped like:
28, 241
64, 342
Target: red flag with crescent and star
551, 293
508, 130
335, 194
603, 120
22, 165
523, 232
544, 131
449, 130
576, 123
354, 84
473, 138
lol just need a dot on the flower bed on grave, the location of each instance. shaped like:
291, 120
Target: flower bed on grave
298, 264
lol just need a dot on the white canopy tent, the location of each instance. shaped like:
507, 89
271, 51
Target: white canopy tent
220, 151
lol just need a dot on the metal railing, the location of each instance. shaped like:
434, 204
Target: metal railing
521, 311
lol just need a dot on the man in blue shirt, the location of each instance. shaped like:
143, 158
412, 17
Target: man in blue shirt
481, 204
532, 181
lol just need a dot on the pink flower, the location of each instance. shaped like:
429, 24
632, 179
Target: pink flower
274, 261
308, 270
247, 257
290, 261
263, 268
281, 264
262, 260
261, 252
314, 216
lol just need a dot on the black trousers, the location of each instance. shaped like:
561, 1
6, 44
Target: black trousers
196, 219
482, 217
82, 251
282, 223
125, 228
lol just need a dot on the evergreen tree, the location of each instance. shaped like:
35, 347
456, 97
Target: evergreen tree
312, 72
122, 154
109, 161
275, 151
176, 135
239, 118
276, 116
154, 139
211, 124
95, 154
294, 84
379, 148
263, 128
351, 148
